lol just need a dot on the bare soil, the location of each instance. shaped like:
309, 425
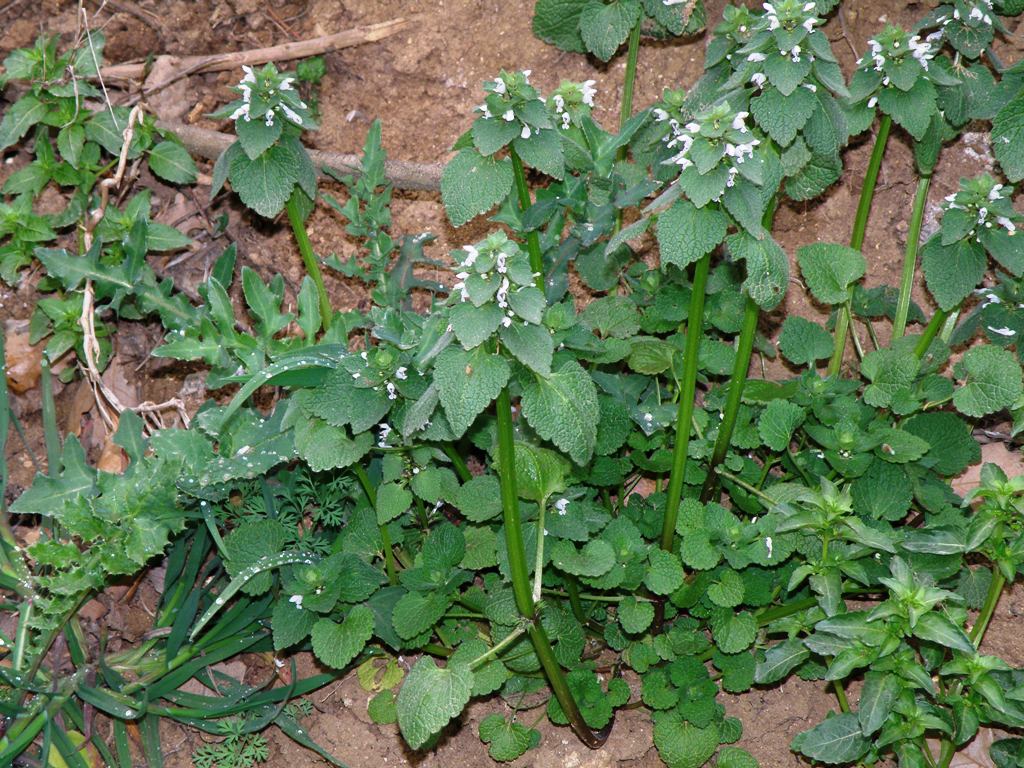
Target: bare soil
423, 83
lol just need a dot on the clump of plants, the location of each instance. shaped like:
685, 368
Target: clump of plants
521, 494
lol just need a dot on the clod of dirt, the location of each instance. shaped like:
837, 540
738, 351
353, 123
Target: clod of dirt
22, 360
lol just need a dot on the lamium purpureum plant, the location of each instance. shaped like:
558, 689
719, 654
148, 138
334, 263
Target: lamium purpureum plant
805, 526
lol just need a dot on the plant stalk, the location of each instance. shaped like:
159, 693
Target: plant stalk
520, 576
385, 537
309, 259
533, 236
626, 109
744, 350
899, 325
860, 225
930, 332
687, 395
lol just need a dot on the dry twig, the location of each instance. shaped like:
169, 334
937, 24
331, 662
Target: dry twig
401, 173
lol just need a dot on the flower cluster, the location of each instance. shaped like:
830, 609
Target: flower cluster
571, 101
715, 136
897, 58
981, 204
973, 14
790, 14
266, 94
511, 98
497, 269
376, 368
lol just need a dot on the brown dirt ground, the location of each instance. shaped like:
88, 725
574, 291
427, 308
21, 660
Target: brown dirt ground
423, 83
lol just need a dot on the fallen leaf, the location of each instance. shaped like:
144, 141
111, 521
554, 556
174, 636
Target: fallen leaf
23, 360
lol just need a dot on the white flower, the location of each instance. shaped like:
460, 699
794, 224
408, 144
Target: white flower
737, 122
660, 115
502, 295
561, 505
286, 84
385, 430
872, 102
995, 193
290, 113
559, 103
392, 392
402, 373
758, 79
648, 417
471, 255
768, 544
811, 87
526, 132
499, 86
509, 116
526, 75
270, 117
1003, 331
242, 111
756, 57
1006, 224
566, 121
589, 91
486, 112
297, 599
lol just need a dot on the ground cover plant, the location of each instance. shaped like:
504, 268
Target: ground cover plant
486, 487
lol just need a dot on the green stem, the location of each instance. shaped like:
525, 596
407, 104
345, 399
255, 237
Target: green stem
533, 236
499, 647
867, 192
516, 553
977, 634
538, 562
744, 350
899, 325
385, 537
930, 331
687, 393
51, 435
860, 225
510, 508
626, 110
309, 259
458, 463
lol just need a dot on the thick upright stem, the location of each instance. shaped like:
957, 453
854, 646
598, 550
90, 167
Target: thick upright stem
744, 350
385, 537
626, 109
309, 259
930, 332
899, 325
687, 395
860, 225
532, 237
521, 578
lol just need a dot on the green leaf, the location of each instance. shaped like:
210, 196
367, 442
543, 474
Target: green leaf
393, 500
543, 152
605, 27
836, 740
992, 381
686, 233
767, 268
49, 495
250, 541
911, 109
472, 184
490, 135
172, 162
665, 574
467, 383
540, 472
783, 116
508, 739
563, 408
474, 325
880, 692
891, 372
634, 615
429, 698
337, 644
951, 272
780, 660
416, 612
611, 317
265, 183
595, 559
558, 22
953, 447
1007, 138
884, 492
256, 137
733, 632
804, 342
340, 402
479, 499
327, 447
936, 628
531, 345
18, 118
727, 592
829, 270
777, 423
734, 757
683, 745
291, 623
381, 708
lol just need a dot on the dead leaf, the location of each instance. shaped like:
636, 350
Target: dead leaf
112, 458
23, 360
